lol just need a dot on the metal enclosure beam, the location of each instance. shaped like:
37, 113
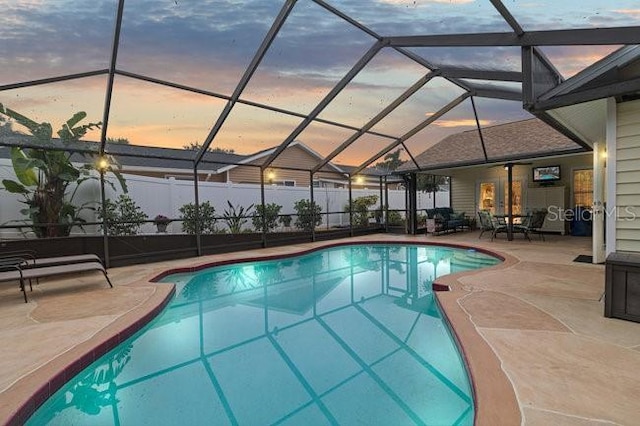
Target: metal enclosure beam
452, 72
539, 75
112, 74
602, 92
364, 60
48, 80
248, 73
572, 37
507, 16
442, 111
375, 120
475, 114
506, 95
413, 160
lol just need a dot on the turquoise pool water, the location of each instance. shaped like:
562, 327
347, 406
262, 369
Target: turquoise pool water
345, 335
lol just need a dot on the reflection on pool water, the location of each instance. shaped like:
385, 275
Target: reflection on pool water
346, 335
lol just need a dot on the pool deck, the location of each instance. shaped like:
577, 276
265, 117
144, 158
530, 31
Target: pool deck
539, 348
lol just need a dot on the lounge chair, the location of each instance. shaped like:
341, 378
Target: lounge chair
30, 259
13, 272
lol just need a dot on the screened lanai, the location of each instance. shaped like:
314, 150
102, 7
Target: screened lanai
228, 110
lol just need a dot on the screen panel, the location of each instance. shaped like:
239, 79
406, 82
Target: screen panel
427, 101
207, 45
569, 60
249, 130
55, 103
503, 58
306, 60
157, 116
38, 39
386, 77
407, 17
550, 14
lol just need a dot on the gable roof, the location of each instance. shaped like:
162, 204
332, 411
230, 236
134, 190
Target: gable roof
513, 141
168, 159
128, 155
266, 152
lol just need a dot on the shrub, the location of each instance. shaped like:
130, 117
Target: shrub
360, 207
285, 220
268, 214
235, 217
123, 216
308, 215
394, 218
207, 219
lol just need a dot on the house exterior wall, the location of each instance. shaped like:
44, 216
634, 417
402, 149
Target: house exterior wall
627, 185
464, 182
293, 156
181, 175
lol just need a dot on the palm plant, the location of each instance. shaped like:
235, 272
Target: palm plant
45, 177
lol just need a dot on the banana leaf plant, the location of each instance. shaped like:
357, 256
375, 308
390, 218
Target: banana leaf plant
48, 181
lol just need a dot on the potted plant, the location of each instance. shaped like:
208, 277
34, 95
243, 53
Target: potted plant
161, 222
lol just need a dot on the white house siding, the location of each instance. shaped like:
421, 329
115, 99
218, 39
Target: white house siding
463, 192
464, 182
628, 177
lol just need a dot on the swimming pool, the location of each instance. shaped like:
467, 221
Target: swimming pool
345, 335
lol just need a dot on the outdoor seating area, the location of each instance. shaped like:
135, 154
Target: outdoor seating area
446, 220
531, 223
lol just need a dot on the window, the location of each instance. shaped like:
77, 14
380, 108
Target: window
284, 183
583, 188
487, 196
516, 205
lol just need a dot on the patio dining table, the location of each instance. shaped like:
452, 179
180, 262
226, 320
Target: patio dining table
502, 224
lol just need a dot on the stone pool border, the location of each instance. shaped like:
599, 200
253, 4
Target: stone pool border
494, 396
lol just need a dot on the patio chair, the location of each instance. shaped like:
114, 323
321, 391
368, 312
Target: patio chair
524, 227
487, 223
537, 221
14, 272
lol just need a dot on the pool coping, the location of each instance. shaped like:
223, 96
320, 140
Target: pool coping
494, 397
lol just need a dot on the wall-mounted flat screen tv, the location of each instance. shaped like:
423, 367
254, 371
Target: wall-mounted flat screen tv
546, 174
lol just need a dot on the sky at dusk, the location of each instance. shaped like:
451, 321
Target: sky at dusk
207, 44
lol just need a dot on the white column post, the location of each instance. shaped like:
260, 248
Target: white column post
610, 213
598, 214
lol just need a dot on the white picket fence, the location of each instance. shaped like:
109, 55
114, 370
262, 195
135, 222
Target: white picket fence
166, 196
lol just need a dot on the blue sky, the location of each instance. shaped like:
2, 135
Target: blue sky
208, 43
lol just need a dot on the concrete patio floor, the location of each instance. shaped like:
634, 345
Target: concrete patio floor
539, 313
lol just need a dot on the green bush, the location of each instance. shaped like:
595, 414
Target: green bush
285, 220
308, 215
360, 207
394, 218
122, 217
269, 214
207, 218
